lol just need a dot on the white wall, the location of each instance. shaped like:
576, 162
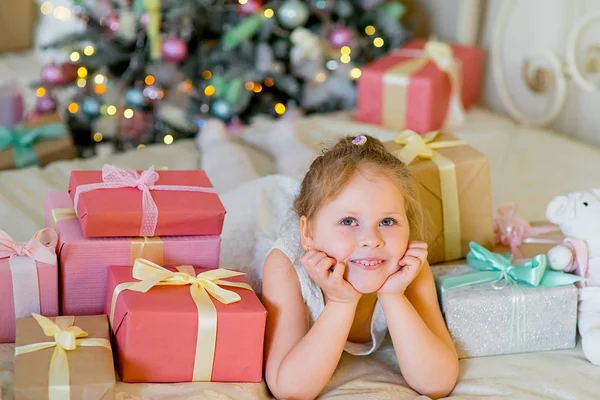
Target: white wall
534, 26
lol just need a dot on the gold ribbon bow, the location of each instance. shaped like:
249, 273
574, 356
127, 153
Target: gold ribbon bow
66, 338
395, 88
202, 286
424, 146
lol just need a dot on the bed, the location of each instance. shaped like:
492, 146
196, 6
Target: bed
524, 169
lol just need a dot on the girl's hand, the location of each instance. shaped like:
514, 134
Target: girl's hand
410, 266
329, 275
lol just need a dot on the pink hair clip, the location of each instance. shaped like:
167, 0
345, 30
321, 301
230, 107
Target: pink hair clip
360, 140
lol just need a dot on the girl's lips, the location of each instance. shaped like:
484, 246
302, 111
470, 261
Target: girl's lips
368, 263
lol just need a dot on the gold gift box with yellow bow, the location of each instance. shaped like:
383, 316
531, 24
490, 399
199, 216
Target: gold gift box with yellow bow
63, 358
454, 189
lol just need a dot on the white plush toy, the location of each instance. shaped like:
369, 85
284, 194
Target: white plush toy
578, 215
224, 161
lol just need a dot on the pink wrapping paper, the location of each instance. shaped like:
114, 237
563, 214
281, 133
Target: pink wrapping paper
84, 261
11, 105
48, 284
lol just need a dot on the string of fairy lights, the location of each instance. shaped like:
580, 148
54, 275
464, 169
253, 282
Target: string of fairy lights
100, 81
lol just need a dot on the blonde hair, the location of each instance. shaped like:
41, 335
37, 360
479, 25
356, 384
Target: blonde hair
330, 173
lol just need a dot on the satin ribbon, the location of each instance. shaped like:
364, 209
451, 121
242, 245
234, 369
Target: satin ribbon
423, 146
150, 248
512, 231
21, 140
61, 214
499, 270
66, 338
116, 178
153, 27
397, 78
22, 259
202, 286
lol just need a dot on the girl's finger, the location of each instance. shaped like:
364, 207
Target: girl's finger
417, 245
338, 271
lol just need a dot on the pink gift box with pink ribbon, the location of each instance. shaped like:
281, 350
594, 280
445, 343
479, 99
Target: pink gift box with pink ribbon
28, 280
84, 261
117, 202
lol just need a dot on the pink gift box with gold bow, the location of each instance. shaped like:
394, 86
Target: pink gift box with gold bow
28, 280
184, 324
421, 86
117, 202
84, 261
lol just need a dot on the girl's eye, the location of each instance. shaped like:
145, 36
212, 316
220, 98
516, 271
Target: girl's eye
387, 222
348, 221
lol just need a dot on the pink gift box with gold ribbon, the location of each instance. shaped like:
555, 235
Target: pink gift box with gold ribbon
421, 86
184, 324
84, 261
28, 280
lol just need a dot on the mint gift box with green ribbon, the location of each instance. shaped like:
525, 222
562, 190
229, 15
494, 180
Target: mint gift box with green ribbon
35, 143
493, 306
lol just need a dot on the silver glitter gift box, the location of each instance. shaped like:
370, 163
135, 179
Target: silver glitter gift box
517, 318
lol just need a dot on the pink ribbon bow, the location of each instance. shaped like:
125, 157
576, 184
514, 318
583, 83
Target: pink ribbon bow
115, 178
35, 248
513, 231
22, 258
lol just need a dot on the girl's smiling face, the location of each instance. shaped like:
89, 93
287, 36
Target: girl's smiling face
365, 226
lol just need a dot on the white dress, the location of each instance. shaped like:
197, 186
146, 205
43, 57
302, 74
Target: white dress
260, 218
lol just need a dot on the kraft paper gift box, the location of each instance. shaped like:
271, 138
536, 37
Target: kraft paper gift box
28, 280
84, 262
117, 202
421, 86
38, 142
185, 328
492, 306
17, 24
46, 364
454, 187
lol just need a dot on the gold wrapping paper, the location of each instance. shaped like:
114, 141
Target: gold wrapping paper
473, 191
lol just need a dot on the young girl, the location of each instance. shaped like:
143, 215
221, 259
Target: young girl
349, 273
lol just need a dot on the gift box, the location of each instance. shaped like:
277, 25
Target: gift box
500, 308
420, 86
37, 142
523, 239
28, 280
115, 202
454, 187
84, 261
17, 19
184, 324
11, 105
43, 368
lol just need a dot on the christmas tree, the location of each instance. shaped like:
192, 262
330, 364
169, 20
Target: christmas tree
149, 71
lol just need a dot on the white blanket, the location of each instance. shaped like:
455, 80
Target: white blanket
523, 170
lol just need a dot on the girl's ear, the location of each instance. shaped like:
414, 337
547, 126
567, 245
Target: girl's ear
305, 234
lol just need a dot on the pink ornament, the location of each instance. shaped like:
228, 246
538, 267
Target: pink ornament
52, 75
250, 7
112, 21
340, 37
174, 49
144, 20
46, 104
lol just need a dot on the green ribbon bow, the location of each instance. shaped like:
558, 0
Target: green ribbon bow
499, 270
230, 90
21, 140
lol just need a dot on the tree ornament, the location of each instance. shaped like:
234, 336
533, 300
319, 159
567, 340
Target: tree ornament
292, 14
174, 49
